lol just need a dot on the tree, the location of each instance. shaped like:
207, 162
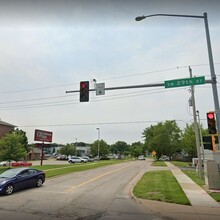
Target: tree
12, 147
68, 149
120, 147
163, 138
103, 148
189, 139
137, 149
23, 138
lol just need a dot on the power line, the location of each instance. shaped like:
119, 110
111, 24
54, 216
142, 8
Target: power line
100, 99
71, 102
97, 123
117, 77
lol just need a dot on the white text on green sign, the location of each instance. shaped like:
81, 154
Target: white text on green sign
184, 82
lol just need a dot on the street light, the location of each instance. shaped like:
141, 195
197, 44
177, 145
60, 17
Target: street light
211, 63
98, 140
212, 71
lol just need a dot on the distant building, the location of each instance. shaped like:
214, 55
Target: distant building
5, 128
83, 150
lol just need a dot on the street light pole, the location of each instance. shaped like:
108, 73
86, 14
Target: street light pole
211, 63
98, 140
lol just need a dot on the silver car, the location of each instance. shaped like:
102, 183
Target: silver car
6, 163
75, 159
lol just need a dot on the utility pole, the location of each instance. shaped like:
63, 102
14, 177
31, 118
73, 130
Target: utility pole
196, 128
200, 134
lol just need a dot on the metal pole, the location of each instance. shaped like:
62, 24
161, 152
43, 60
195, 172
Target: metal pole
211, 63
201, 141
132, 86
213, 76
196, 128
98, 141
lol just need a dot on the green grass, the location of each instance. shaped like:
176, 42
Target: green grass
180, 163
158, 163
160, 186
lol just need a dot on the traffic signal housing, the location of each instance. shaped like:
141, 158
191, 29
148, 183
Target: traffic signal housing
84, 91
210, 142
211, 123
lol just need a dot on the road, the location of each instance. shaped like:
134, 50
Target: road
103, 193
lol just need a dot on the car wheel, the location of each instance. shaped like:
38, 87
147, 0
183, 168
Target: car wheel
39, 182
9, 189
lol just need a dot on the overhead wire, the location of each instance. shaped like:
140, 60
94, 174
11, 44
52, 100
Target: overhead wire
70, 102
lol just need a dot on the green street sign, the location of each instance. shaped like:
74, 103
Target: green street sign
184, 82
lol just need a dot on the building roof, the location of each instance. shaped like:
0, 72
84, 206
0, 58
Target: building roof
6, 124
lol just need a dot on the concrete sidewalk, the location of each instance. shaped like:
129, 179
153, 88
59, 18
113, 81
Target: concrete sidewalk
196, 195
203, 206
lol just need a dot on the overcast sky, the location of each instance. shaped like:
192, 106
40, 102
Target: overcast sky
48, 47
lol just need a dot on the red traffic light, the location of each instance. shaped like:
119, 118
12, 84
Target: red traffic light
210, 115
84, 91
83, 85
211, 123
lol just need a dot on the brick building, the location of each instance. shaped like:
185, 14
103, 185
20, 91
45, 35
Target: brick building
5, 128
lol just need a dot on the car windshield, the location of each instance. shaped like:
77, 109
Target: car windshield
10, 173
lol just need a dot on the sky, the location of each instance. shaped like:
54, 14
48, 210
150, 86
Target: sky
48, 47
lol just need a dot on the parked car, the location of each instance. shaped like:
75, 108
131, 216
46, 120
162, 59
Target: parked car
77, 160
20, 178
164, 158
6, 163
141, 157
89, 159
21, 164
62, 157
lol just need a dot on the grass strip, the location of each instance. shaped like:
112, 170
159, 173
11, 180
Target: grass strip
181, 164
160, 186
158, 163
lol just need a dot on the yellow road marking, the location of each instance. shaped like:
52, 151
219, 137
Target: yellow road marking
72, 188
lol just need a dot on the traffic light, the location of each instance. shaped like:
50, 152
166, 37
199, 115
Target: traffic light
210, 142
84, 91
211, 123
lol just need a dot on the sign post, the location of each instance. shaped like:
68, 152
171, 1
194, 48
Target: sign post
44, 136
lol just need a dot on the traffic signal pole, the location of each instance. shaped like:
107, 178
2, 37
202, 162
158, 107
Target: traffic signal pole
131, 87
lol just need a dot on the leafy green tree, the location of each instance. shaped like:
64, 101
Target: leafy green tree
23, 138
12, 147
189, 139
137, 149
103, 148
164, 138
68, 149
120, 147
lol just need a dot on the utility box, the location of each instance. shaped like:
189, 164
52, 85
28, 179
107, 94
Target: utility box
212, 174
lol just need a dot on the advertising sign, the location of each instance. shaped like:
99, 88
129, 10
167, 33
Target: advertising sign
45, 136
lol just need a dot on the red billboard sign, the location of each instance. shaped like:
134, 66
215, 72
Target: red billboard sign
45, 136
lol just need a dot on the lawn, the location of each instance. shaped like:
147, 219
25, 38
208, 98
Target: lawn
158, 163
160, 186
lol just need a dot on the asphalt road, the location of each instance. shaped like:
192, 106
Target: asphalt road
103, 193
